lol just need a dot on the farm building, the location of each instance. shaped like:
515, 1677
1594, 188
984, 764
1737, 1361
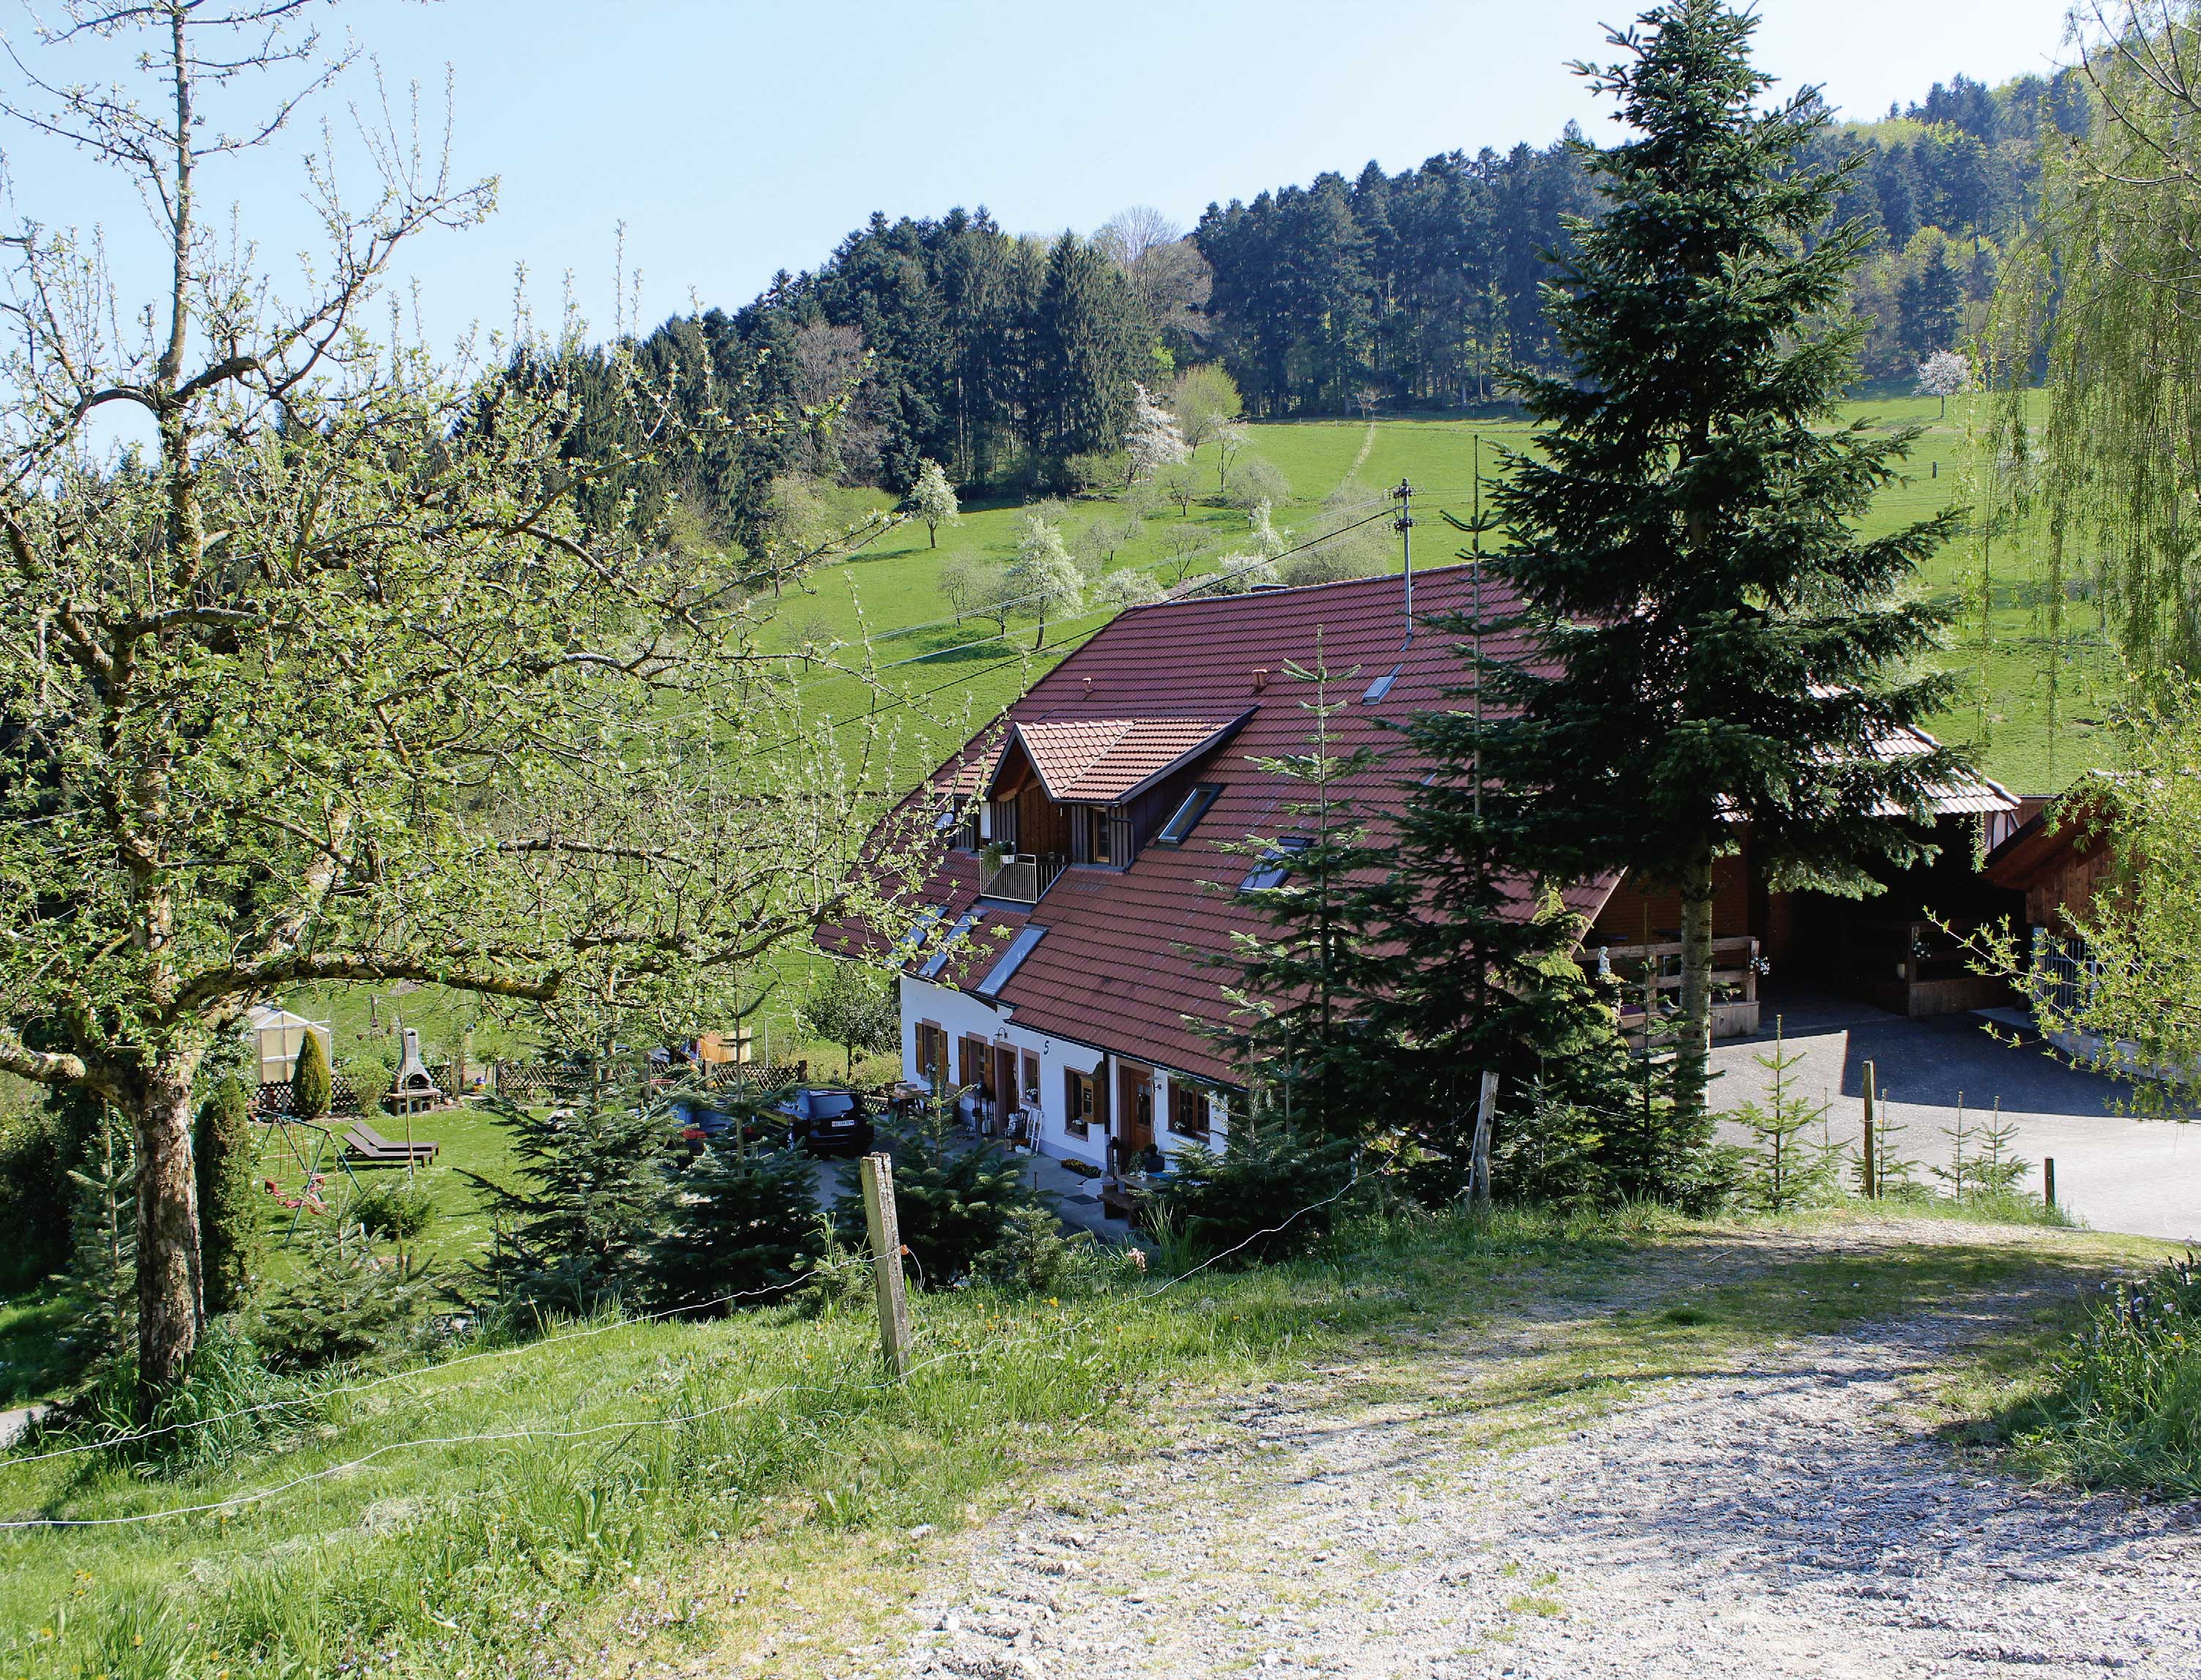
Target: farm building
1059, 957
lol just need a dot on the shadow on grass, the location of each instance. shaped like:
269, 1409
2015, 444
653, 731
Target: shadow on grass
32, 1362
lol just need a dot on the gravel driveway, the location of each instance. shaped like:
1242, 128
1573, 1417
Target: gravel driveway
1402, 1518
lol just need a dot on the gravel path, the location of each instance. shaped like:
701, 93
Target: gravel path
1389, 1519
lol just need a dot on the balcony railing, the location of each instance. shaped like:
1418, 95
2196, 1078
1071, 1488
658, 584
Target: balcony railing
1021, 879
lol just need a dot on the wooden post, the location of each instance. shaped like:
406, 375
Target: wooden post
1871, 1167
2048, 1180
885, 1230
1478, 1170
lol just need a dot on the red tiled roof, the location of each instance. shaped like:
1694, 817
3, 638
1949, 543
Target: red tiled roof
1121, 967
1085, 760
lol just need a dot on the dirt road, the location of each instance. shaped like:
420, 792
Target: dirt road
1415, 1515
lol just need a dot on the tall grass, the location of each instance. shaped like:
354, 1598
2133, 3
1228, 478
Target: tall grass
463, 1515
2122, 1408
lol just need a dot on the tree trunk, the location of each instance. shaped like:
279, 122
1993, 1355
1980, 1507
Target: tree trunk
1692, 1048
169, 1302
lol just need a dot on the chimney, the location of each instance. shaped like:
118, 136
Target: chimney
1260, 678
1088, 687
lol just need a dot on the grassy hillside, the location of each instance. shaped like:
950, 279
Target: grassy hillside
892, 591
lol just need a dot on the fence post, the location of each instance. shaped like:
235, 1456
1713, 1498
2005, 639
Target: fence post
2048, 1180
1478, 1169
1871, 1167
886, 1229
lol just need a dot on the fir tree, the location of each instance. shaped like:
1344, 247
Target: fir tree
934, 500
1719, 648
1300, 976
1787, 1172
102, 1274
1085, 328
956, 1200
597, 1186
744, 1219
229, 1209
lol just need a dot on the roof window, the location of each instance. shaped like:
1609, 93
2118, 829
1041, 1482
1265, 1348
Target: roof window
1382, 684
1184, 819
938, 960
921, 929
1011, 959
1275, 863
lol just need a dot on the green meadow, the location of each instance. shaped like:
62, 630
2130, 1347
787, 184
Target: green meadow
2028, 711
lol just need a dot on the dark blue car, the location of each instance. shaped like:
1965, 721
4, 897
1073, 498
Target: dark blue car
826, 1121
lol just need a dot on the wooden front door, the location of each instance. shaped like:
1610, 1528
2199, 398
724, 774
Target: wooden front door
1135, 1106
1005, 1094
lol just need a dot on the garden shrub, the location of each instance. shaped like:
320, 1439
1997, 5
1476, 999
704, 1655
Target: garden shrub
397, 1210
38, 1148
312, 1090
229, 1207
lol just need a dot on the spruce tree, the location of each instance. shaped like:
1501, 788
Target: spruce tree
956, 1200
102, 1274
1299, 980
597, 1180
743, 1218
1721, 649
229, 1211
1086, 331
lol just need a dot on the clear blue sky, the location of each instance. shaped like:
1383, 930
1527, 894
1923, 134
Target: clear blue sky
738, 137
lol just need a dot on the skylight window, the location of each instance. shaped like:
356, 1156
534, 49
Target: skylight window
1382, 684
1011, 959
921, 929
1275, 863
1186, 816
938, 960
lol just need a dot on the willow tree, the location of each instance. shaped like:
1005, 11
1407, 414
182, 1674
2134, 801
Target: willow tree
1720, 650
321, 678
2105, 489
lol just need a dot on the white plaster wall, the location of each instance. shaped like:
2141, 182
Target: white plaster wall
959, 1015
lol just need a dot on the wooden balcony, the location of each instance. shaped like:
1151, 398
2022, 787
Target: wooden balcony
1659, 968
1020, 879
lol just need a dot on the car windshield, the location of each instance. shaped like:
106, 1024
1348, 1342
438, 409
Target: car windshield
830, 1104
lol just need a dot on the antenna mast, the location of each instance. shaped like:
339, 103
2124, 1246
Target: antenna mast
1403, 524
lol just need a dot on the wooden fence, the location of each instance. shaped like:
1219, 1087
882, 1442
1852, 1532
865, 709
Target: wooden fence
273, 1100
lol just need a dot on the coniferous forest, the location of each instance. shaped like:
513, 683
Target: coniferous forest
1012, 359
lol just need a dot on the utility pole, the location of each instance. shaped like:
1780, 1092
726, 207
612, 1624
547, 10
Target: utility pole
1403, 524
1475, 538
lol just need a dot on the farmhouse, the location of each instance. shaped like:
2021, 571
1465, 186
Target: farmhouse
1059, 957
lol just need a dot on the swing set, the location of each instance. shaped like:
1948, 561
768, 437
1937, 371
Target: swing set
282, 1132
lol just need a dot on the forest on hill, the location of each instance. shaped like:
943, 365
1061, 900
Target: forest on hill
1014, 361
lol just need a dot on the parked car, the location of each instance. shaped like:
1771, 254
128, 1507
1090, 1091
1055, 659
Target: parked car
699, 1122
825, 1122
